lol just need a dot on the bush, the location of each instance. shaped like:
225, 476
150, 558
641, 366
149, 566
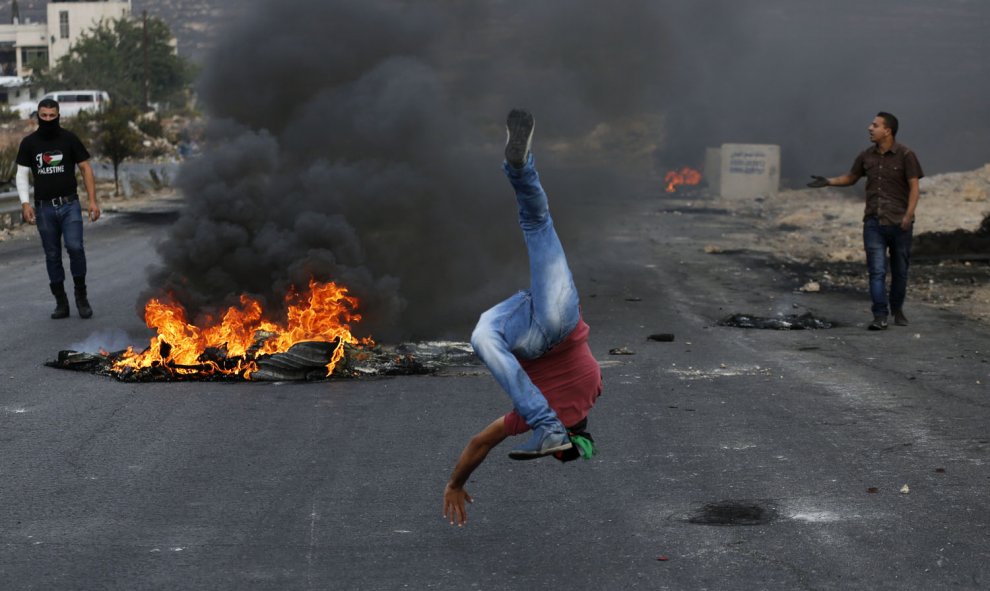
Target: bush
85, 125
8, 163
7, 114
151, 126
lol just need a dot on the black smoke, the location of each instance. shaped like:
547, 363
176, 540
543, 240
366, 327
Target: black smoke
810, 76
360, 141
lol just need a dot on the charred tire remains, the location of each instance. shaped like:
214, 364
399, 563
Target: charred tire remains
805, 321
305, 361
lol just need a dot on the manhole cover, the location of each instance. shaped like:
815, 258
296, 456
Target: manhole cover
734, 513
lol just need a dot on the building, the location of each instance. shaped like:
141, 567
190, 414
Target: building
68, 19
23, 43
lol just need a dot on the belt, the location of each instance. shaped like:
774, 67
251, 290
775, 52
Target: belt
57, 201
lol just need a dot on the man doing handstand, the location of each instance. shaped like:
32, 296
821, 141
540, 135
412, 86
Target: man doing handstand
535, 343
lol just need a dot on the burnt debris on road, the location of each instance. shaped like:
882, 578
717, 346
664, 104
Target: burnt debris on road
806, 321
306, 361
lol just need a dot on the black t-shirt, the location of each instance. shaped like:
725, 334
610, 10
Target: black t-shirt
53, 162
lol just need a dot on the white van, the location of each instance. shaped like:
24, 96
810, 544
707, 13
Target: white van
70, 102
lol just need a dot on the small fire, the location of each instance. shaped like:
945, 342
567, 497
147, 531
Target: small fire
230, 345
685, 176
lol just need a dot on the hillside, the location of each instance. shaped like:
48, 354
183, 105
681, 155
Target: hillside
817, 233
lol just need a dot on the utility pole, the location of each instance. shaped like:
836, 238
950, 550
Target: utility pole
147, 68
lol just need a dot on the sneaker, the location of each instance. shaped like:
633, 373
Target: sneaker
900, 319
519, 127
542, 443
879, 323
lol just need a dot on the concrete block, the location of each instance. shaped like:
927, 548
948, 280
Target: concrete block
749, 170
712, 171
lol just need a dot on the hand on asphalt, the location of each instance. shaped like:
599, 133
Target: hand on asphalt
819, 182
453, 505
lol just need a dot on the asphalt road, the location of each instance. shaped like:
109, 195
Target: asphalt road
337, 485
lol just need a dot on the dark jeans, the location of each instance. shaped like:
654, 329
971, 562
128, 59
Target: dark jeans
54, 225
878, 241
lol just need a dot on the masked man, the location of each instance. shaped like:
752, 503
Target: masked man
51, 154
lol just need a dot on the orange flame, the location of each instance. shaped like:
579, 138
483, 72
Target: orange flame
685, 176
323, 314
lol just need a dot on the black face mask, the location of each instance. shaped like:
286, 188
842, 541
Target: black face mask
50, 128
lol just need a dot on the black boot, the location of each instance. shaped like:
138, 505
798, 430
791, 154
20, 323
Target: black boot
82, 304
61, 301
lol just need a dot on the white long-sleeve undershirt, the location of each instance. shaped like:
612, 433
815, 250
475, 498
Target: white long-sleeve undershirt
23, 184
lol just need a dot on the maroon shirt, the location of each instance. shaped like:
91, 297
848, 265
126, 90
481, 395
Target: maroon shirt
567, 375
887, 177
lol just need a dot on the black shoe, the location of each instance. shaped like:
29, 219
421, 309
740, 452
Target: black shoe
82, 302
879, 323
900, 319
61, 301
519, 125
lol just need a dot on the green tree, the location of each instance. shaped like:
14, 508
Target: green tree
117, 137
111, 57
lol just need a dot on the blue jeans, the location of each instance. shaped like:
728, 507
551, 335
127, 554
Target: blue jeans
878, 240
54, 225
531, 322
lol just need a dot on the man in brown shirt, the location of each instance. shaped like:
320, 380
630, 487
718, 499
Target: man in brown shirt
892, 172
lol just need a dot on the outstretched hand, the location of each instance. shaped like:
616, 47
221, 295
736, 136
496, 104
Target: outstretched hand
818, 182
454, 505
455, 497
